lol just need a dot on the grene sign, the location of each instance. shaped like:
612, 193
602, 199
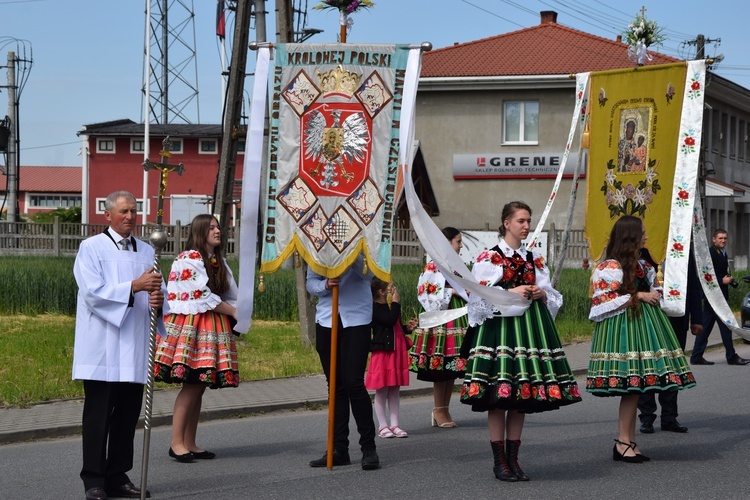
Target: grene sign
510, 166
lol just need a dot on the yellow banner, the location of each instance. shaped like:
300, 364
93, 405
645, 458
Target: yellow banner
634, 126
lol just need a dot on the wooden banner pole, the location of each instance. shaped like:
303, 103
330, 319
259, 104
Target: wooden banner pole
332, 374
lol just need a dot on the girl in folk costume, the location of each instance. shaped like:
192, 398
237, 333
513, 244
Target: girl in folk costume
199, 350
516, 365
633, 348
435, 353
389, 363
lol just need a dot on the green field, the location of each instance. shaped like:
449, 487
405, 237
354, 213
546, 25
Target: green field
37, 325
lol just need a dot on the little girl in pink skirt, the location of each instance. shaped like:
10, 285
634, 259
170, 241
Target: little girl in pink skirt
389, 362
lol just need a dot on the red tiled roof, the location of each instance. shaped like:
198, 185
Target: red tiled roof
545, 49
50, 179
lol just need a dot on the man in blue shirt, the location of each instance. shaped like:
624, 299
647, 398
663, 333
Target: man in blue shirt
353, 334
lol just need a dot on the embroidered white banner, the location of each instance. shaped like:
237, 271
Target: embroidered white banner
251, 192
707, 275
684, 190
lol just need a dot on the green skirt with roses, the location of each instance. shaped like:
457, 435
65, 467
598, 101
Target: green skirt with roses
636, 353
518, 363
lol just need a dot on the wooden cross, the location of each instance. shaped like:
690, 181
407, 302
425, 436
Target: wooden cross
164, 169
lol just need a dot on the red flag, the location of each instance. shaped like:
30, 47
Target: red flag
220, 22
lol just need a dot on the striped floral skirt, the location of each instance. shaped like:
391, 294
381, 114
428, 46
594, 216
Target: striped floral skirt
518, 363
435, 355
198, 349
633, 354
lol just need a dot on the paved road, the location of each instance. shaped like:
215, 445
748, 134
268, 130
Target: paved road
567, 453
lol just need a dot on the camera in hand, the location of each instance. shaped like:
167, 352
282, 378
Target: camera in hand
734, 283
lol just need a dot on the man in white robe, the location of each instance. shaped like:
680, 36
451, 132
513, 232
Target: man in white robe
112, 270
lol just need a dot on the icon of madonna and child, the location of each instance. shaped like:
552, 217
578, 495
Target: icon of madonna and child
632, 148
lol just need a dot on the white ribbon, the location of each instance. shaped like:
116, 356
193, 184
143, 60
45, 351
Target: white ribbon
251, 192
582, 82
638, 53
430, 236
432, 319
685, 177
705, 268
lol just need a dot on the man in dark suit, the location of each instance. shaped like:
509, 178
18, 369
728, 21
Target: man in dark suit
692, 320
721, 266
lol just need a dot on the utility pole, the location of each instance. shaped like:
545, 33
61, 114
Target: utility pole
284, 27
231, 126
700, 45
12, 193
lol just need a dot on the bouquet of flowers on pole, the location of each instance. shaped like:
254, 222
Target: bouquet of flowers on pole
348, 6
345, 7
641, 34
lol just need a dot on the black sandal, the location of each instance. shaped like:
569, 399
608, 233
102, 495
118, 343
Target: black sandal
620, 457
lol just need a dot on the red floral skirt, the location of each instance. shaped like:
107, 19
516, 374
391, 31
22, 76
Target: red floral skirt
198, 349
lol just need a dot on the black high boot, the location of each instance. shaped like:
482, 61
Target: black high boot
501, 469
511, 456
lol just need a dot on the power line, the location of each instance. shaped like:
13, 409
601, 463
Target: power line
493, 13
52, 145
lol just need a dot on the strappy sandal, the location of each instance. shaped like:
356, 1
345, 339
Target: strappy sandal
385, 432
643, 457
399, 432
445, 425
620, 457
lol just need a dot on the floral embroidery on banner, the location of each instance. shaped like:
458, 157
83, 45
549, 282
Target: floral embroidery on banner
630, 199
708, 277
582, 101
697, 225
670, 93
695, 87
674, 293
602, 97
678, 249
682, 196
688, 142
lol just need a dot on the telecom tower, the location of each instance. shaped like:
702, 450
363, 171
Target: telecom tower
172, 63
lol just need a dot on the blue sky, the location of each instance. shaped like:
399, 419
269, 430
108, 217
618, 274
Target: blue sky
88, 54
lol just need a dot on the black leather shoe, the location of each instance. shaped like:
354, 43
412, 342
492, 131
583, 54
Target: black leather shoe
339, 458
96, 494
647, 428
127, 490
370, 460
673, 426
737, 360
185, 458
701, 361
203, 455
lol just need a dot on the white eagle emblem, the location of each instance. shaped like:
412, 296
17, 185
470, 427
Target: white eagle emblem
330, 147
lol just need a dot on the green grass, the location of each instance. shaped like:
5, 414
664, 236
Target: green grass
36, 356
37, 325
